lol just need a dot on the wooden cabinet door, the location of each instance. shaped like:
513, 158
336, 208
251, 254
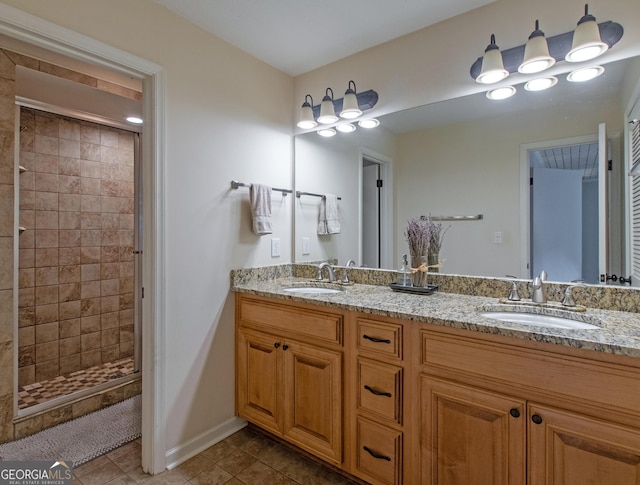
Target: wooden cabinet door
258, 378
570, 449
470, 436
313, 399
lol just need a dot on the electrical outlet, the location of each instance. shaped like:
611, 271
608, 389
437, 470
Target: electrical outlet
275, 247
497, 237
306, 246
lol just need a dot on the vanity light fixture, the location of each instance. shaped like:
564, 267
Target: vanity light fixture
541, 84
327, 111
306, 114
585, 74
346, 127
350, 108
536, 53
327, 132
501, 93
136, 120
493, 69
370, 123
587, 43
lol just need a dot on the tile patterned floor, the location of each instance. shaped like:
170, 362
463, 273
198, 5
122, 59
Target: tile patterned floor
245, 457
40, 392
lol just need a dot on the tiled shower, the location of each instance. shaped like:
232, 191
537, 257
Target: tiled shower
76, 243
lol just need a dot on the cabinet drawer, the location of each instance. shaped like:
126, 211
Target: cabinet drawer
297, 321
379, 452
609, 385
383, 338
380, 389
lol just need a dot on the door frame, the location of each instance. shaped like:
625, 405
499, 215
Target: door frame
386, 206
525, 192
36, 31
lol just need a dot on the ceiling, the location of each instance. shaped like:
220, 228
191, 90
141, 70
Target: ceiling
297, 36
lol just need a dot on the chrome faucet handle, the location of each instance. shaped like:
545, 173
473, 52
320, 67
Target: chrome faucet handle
543, 275
351, 262
513, 291
537, 290
321, 266
567, 299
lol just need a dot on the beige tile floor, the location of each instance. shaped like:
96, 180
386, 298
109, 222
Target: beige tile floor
245, 457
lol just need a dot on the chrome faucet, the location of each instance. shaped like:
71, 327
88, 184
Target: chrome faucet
567, 299
332, 274
538, 293
513, 291
345, 276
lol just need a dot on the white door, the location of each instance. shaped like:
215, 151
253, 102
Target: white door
603, 231
633, 199
370, 215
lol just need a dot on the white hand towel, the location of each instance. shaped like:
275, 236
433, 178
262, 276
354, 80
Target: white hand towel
261, 208
328, 217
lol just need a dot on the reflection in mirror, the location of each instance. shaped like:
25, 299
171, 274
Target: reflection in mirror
467, 156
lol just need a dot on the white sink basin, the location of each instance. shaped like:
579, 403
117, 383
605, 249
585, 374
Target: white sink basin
315, 290
540, 320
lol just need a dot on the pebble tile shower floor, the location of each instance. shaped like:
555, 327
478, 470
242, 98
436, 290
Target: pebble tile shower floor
44, 391
245, 457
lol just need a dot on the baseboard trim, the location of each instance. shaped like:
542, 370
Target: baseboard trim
191, 448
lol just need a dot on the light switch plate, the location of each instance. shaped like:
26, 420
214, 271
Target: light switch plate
275, 247
306, 246
497, 237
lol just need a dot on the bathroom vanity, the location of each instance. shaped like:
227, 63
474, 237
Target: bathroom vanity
396, 388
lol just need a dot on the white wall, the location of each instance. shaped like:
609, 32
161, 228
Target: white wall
227, 117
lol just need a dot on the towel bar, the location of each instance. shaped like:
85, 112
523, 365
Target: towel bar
476, 217
299, 194
236, 185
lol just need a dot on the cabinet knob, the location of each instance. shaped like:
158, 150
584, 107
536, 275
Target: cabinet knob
276, 345
515, 412
285, 347
536, 418
377, 456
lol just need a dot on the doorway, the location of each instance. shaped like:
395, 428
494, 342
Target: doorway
564, 211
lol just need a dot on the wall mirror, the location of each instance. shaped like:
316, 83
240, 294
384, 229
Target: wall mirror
469, 157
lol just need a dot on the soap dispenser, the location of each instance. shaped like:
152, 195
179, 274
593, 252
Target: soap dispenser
404, 273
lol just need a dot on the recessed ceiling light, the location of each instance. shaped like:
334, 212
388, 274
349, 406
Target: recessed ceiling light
541, 84
501, 93
346, 128
327, 132
585, 74
370, 123
134, 119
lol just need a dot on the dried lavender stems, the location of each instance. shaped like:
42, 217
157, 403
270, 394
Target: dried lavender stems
418, 236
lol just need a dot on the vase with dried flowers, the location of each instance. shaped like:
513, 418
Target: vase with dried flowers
436, 237
418, 236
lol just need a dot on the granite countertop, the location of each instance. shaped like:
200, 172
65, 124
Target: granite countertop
618, 333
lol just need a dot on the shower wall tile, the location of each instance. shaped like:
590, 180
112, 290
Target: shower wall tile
6, 210
76, 262
6, 362
6, 315
6, 270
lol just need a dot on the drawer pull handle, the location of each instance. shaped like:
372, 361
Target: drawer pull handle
377, 456
376, 392
377, 340
285, 347
276, 345
536, 418
515, 412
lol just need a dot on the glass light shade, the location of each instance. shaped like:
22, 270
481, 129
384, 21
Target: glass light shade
587, 43
501, 93
134, 119
306, 119
346, 128
327, 111
541, 84
327, 132
370, 123
492, 66
350, 108
585, 74
536, 54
